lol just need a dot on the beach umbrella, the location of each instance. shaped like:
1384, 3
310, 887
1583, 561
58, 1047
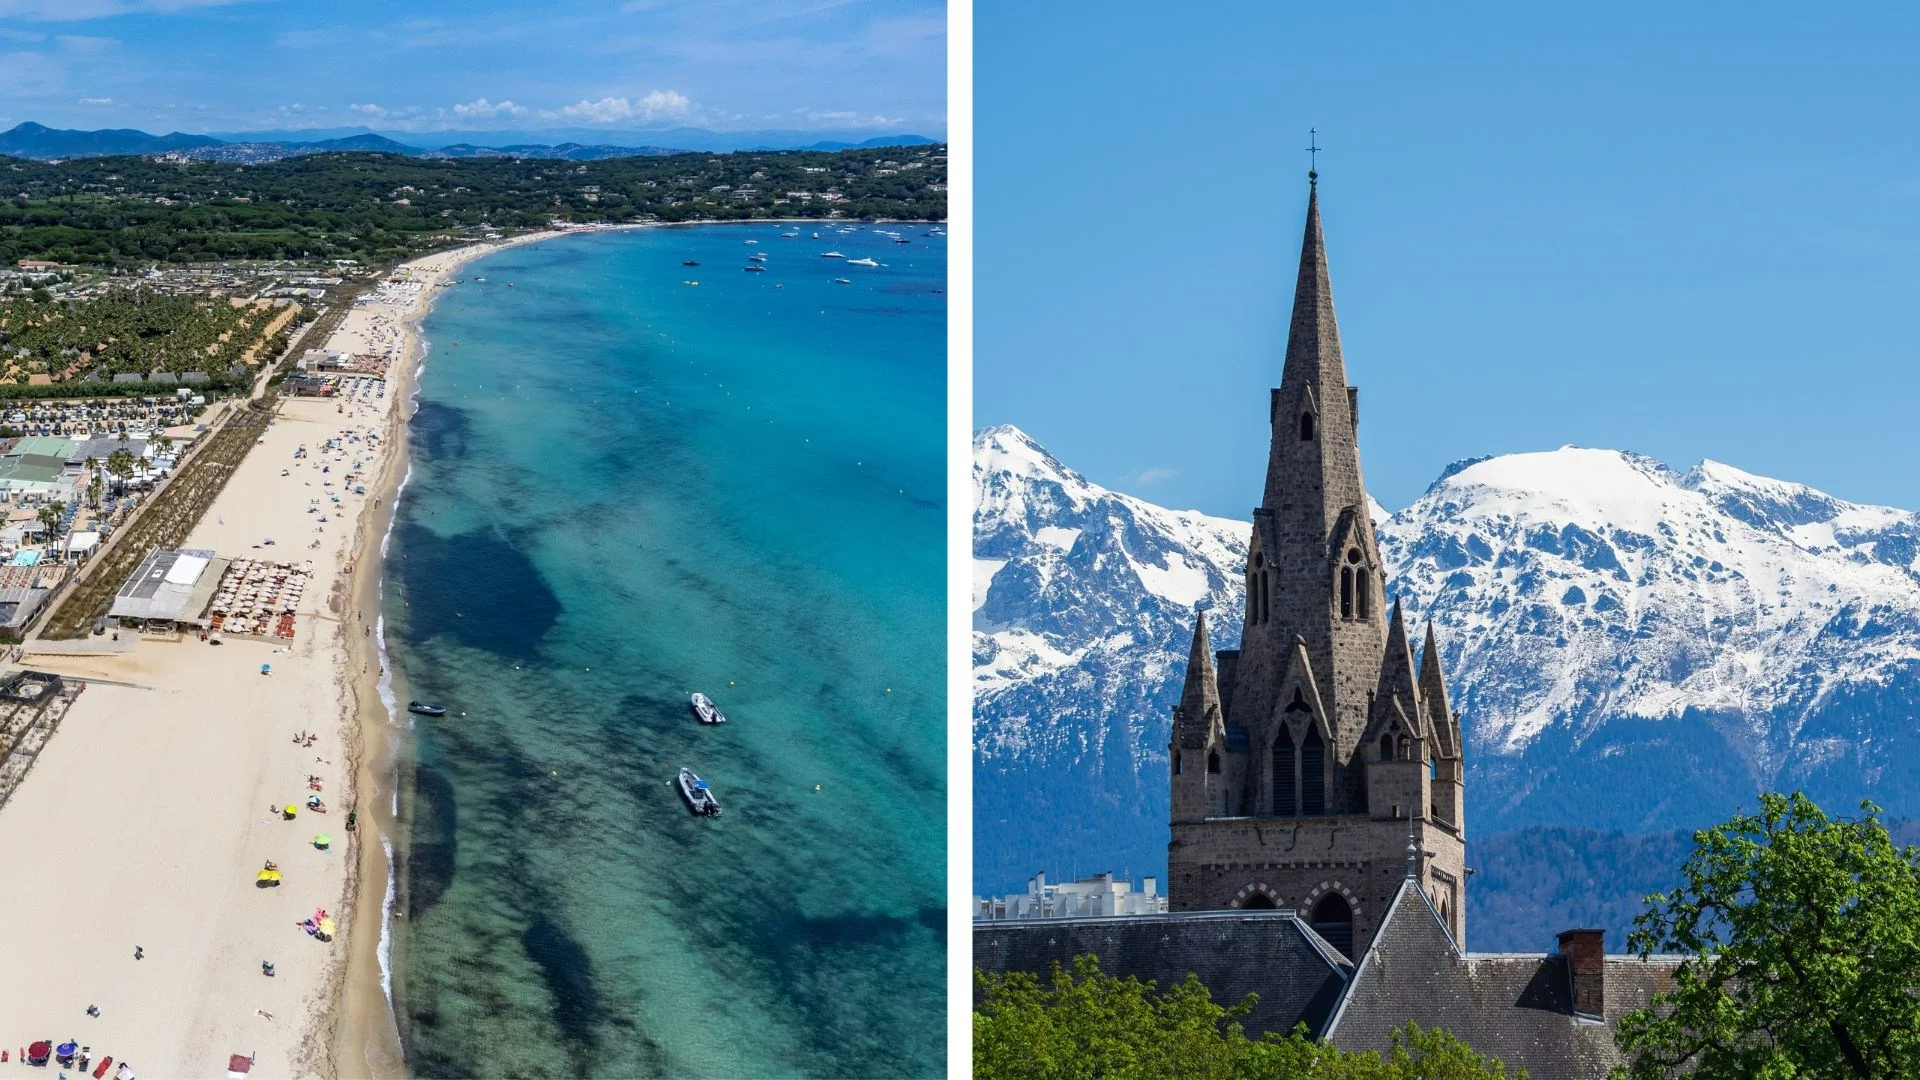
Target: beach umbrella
291, 810
323, 841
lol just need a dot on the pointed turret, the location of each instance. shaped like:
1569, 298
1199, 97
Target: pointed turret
1199, 736
1433, 691
1397, 686
1199, 710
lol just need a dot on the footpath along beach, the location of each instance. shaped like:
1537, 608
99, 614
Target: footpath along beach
149, 814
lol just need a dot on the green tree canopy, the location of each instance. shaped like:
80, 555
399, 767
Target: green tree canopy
1086, 1025
1802, 938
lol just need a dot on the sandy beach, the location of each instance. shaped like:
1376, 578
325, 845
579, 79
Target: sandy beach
147, 816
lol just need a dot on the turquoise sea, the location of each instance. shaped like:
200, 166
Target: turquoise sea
626, 488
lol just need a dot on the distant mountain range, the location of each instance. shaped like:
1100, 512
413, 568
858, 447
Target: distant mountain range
31, 140
1635, 650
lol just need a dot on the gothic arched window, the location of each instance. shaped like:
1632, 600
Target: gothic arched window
1284, 787
1346, 592
1213, 762
1313, 774
1176, 763
1406, 753
1258, 902
1386, 751
1366, 595
1306, 427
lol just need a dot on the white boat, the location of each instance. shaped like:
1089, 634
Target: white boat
790, 235
753, 241
843, 281
700, 800
707, 711
758, 256
831, 255
861, 262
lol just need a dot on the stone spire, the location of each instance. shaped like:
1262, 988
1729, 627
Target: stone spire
1313, 338
1199, 710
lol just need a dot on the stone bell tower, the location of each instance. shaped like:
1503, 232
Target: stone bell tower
1310, 758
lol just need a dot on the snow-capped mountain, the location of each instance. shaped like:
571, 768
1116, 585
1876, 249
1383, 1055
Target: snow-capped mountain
1632, 647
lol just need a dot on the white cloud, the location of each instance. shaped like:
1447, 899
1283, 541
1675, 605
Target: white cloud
96, 101
484, 109
657, 105
1153, 475
848, 118
368, 110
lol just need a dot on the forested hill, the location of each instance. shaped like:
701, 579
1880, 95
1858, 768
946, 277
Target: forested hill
375, 207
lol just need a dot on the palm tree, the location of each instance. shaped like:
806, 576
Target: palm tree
50, 516
120, 464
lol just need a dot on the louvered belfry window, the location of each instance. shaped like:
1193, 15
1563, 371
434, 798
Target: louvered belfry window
1313, 780
1285, 790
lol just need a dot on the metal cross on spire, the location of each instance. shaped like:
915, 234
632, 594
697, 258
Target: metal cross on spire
1313, 154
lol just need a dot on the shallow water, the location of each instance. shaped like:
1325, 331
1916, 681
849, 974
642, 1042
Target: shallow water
626, 489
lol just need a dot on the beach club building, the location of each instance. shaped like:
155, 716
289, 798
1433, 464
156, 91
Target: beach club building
170, 591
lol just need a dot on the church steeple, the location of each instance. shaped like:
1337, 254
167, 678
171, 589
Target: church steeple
1335, 748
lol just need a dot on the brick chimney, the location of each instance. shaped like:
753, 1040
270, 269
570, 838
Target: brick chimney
1585, 951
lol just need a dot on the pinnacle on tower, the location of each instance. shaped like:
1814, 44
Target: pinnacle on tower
1200, 698
1433, 684
1396, 675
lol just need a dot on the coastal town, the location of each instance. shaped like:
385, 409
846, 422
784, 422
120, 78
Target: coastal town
215, 680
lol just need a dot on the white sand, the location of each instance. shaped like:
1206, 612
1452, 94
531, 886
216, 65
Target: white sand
146, 818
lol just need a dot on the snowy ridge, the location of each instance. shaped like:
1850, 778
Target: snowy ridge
1576, 584
1631, 646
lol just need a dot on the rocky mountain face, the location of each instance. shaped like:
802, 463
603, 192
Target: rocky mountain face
1634, 649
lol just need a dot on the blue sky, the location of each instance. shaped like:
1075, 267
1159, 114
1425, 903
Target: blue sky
1691, 233
224, 65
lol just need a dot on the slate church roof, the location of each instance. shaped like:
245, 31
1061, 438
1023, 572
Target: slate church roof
1298, 976
1517, 1007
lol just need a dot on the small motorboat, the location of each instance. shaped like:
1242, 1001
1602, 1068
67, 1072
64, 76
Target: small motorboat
861, 262
707, 711
843, 281
700, 800
758, 256
426, 708
754, 268
831, 255
691, 262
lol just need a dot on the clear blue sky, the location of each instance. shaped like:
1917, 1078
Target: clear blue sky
213, 65
1691, 233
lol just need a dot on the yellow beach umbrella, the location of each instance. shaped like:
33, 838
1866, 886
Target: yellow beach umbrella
291, 810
